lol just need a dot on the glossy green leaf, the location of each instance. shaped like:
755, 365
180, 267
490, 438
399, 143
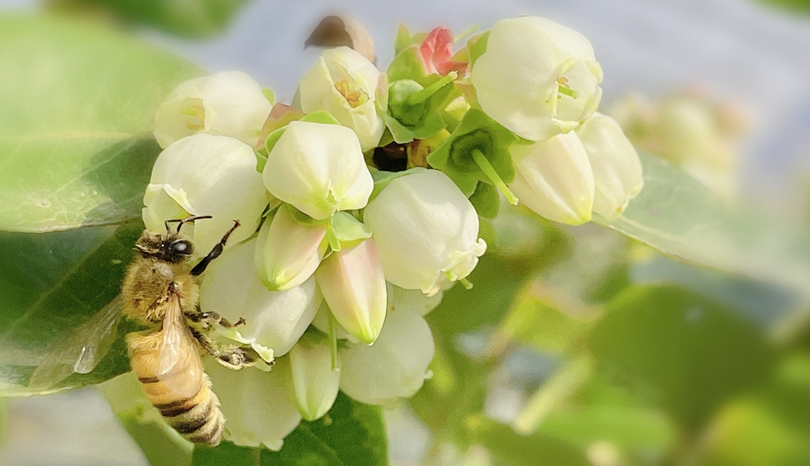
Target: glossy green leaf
683, 350
189, 18
51, 283
350, 434
679, 216
78, 100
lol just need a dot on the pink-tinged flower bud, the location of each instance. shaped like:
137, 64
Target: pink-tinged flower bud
288, 252
437, 50
353, 285
229, 103
554, 178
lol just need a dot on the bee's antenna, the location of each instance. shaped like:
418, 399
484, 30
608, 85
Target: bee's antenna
182, 221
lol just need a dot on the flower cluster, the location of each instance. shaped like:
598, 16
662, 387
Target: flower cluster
360, 202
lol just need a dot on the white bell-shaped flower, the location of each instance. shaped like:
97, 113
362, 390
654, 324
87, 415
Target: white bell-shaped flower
554, 178
426, 231
344, 83
400, 299
256, 405
287, 252
394, 367
275, 319
206, 175
319, 169
615, 164
229, 103
537, 78
353, 285
313, 382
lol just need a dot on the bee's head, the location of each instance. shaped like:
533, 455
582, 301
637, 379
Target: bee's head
168, 247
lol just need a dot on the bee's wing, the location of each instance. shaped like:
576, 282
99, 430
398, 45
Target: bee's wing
79, 350
178, 347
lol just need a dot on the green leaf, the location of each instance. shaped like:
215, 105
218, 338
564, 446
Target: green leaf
530, 450
680, 217
350, 434
189, 18
687, 351
51, 283
75, 132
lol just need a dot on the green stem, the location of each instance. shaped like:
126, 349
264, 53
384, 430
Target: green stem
465, 33
331, 237
424, 94
489, 170
333, 341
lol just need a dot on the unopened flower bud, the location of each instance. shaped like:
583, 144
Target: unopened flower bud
537, 78
230, 103
437, 50
275, 319
206, 175
353, 285
426, 231
615, 164
255, 404
554, 178
288, 252
319, 169
313, 382
344, 83
394, 367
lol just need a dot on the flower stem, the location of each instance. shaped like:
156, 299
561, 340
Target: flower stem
489, 170
466, 32
424, 94
331, 237
333, 341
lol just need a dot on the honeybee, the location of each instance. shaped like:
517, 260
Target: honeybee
160, 290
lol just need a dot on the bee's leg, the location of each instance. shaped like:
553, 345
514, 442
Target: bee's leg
215, 252
230, 356
210, 319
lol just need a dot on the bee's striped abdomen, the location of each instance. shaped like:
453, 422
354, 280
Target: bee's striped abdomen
196, 417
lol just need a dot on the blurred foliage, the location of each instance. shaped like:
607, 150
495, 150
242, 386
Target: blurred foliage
801, 6
188, 18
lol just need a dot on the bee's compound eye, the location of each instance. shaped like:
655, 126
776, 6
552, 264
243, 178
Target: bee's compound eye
182, 247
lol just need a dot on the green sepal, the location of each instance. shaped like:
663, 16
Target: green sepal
348, 229
302, 218
405, 39
269, 94
321, 116
261, 160
476, 46
407, 64
486, 200
455, 156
